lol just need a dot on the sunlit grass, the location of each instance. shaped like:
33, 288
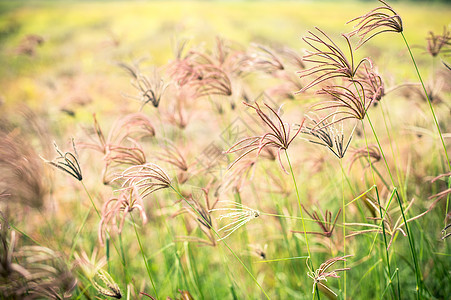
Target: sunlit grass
53, 93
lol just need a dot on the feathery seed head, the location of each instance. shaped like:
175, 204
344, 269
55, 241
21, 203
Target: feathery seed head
238, 214
321, 274
278, 136
329, 134
147, 178
68, 162
381, 19
108, 286
437, 44
116, 209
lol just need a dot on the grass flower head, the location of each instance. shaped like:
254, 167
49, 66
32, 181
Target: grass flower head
381, 19
329, 60
147, 178
437, 44
238, 214
67, 162
107, 287
329, 134
116, 209
325, 222
277, 137
322, 273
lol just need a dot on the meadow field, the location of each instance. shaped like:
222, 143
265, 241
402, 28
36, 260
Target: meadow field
225, 150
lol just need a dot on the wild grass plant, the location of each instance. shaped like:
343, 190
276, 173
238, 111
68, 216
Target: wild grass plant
233, 169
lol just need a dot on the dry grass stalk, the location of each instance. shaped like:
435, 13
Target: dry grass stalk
49, 275
116, 209
121, 146
108, 287
279, 63
440, 176
212, 81
29, 44
371, 153
381, 19
202, 214
67, 162
235, 178
444, 233
199, 73
32, 272
184, 295
330, 61
136, 126
176, 113
238, 214
322, 273
147, 178
372, 83
277, 137
228, 56
264, 59
441, 194
279, 183
329, 134
438, 197
325, 222
171, 154
22, 174
437, 44
292, 57
89, 264
258, 250
434, 91
359, 89
345, 101
150, 90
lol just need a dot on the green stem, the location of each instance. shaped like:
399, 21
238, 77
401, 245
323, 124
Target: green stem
385, 240
381, 178
77, 235
377, 196
300, 207
281, 259
23, 233
411, 241
412, 248
302, 218
120, 237
245, 237
391, 279
144, 258
398, 173
192, 269
90, 198
429, 101
225, 243
343, 205
447, 199
382, 151
282, 216
123, 259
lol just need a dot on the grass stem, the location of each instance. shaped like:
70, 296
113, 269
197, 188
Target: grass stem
225, 243
146, 263
90, 198
428, 99
302, 218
